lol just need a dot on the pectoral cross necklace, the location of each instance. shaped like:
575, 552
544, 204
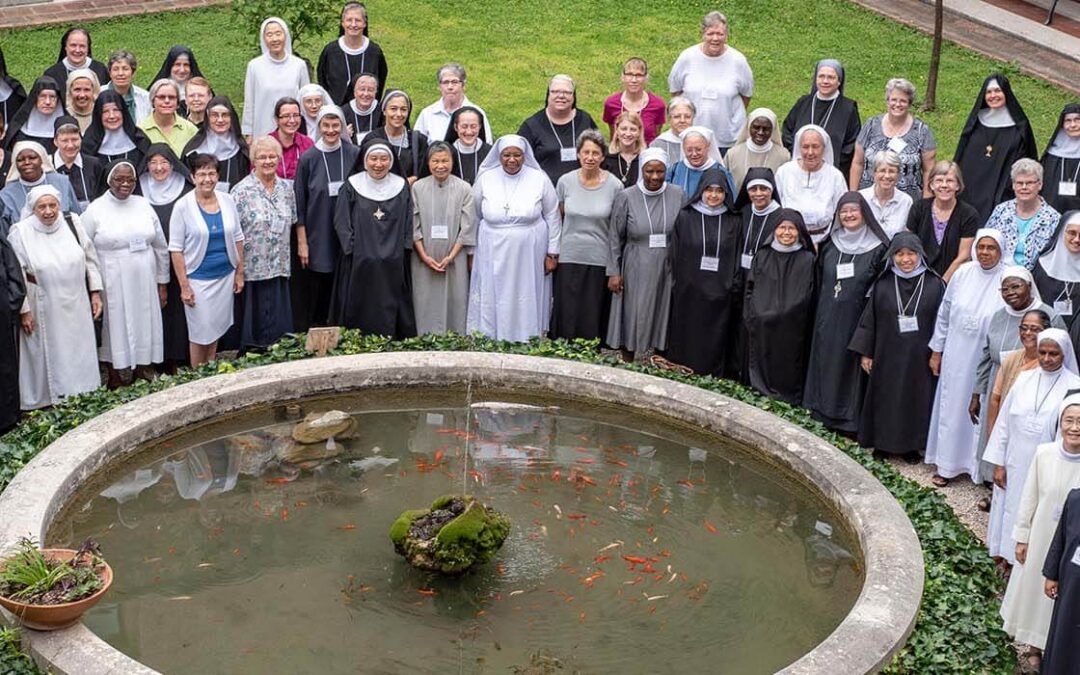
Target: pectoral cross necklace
989, 151
836, 289
379, 213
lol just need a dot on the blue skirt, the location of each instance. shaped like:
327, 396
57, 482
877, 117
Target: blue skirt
266, 314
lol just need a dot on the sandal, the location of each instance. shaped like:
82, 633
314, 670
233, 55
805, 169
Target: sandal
984, 504
939, 481
1033, 660
662, 363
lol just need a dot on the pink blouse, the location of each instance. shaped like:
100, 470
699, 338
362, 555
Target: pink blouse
291, 157
652, 115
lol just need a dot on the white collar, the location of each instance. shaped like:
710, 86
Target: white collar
996, 118
57, 160
364, 42
377, 190
115, 142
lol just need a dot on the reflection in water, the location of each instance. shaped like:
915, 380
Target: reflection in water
242, 560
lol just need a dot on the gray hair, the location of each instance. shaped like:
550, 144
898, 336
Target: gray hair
269, 142
681, 101
590, 136
163, 82
437, 147
713, 18
1026, 167
886, 158
349, 6
122, 55
562, 78
456, 68
900, 84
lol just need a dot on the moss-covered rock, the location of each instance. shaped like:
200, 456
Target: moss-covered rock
453, 535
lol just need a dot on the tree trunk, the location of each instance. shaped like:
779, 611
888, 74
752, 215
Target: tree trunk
930, 102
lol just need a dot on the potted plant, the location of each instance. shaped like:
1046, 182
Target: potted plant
49, 589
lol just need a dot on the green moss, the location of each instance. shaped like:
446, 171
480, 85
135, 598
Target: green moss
473, 538
400, 529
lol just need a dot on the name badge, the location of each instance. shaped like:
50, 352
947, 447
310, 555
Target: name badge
710, 263
1032, 425
1076, 556
970, 324
335, 187
222, 186
1063, 307
907, 324
440, 231
277, 226
568, 154
136, 244
745, 261
710, 94
1067, 188
657, 241
845, 270
897, 144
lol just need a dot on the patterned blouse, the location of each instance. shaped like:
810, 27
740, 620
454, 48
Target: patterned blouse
910, 146
267, 221
1041, 230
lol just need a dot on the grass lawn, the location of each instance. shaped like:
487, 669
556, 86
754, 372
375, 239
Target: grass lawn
511, 47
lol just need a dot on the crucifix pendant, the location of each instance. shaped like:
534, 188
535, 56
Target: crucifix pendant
989, 151
506, 209
836, 290
378, 213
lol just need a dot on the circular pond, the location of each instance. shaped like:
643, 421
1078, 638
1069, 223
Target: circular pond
646, 533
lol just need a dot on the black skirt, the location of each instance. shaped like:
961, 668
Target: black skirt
174, 325
582, 302
266, 314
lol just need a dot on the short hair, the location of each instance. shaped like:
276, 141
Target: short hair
1044, 318
562, 78
589, 136
681, 101
203, 161
284, 101
354, 5
942, 168
887, 157
68, 129
163, 82
637, 61
1026, 166
713, 18
199, 82
632, 118
900, 84
456, 68
122, 55
439, 146
270, 142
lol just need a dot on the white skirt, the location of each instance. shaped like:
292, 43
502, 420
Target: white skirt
212, 314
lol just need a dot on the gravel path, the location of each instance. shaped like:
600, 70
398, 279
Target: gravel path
961, 494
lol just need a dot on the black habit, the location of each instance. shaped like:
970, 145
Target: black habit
17, 96
548, 140
1060, 171
94, 135
1062, 564
85, 179
839, 117
466, 164
336, 69
59, 72
12, 293
165, 72
900, 394
408, 161
963, 224
232, 169
14, 133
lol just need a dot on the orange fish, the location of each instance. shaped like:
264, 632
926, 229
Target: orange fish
635, 559
710, 527
576, 516
426, 591
349, 526
278, 481
438, 456
685, 482
284, 514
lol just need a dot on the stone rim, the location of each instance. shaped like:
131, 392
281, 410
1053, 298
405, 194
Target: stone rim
877, 626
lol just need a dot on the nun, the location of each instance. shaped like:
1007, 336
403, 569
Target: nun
849, 261
680, 115
133, 258
57, 348
758, 145
996, 134
363, 110
892, 340
443, 234
810, 183
319, 179
112, 133
312, 99
553, 131
373, 219
76, 50
83, 171
1027, 419
36, 118
222, 138
971, 299
778, 310
179, 66
408, 145
1061, 161
517, 245
1057, 272
12, 294
639, 263
30, 167
699, 153
1054, 473
81, 90
12, 94
274, 74
163, 180
350, 55
465, 138
706, 277
827, 107
1062, 573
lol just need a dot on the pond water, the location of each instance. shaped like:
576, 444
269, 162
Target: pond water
637, 545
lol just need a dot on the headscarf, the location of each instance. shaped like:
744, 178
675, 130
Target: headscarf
494, 158
10, 90
169, 190
66, 121
713, 176
796, 151
333, 111
175, 52
1056, 259
452, 134
408, 114
1061, 338
866, 238
81, 74
38, 149
111, 168
382, 189
97, 140
34, 195
311, 125
223, 146
288, 39
835, 65
803, 242
31, 121
62, 56
1015, 116
744, 133
999, 239
1061, 144
1020, 272
650, 155
756, 176
713, 158
910, 241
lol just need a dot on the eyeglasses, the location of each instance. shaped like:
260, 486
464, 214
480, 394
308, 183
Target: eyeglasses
450, 83
123, 181
1025, 183
1012, 287
266, 158
165, 97
561, 92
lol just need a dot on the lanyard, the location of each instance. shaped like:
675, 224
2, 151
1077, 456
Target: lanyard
1076, 174
398, 147
356, 122
902, 310
853, 255
761, 233
1066, 292
341, 159
476, 162
1038, 385
573, 133
648, 214
718, 219
825, 122
348, 68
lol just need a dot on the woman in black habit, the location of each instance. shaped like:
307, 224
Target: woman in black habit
827, 107
849, 260
1060, 162
163, 179
893, 339
373, 220
351, 54
707, 278
363, 112
64, 63
408, 146
112, 133
12, 93
1057, 272
996, 134
222, 138
778, 310
36, 117
1061, 570
179, 66
12, 292
465, 135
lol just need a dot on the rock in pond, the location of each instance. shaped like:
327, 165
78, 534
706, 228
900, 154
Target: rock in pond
456, 533
317, 427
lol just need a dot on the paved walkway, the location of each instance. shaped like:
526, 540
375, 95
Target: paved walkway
78, 11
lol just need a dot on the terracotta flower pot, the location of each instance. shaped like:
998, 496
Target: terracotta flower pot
55, 617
